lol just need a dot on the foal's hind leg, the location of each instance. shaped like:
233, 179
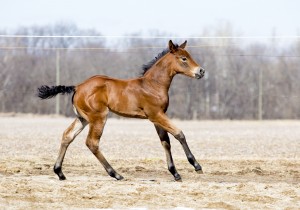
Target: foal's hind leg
69, 135
92, 142
165, 141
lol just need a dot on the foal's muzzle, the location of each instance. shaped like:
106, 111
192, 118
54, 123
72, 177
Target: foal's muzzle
200, 74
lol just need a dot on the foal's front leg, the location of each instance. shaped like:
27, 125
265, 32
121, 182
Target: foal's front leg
181, 138
165, 141
163, 121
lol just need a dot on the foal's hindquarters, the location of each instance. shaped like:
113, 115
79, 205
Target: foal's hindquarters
91, 108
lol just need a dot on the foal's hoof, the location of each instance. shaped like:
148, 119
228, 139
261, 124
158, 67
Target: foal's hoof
59, 173
199, 171
178, 178
119, 177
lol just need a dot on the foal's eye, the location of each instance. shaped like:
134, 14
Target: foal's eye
184, 59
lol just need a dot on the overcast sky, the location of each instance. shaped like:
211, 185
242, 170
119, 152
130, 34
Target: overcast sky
178, 17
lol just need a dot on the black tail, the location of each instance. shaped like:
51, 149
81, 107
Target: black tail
45, 92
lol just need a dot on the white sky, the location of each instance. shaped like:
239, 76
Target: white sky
177, 17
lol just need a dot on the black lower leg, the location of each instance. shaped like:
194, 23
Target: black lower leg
165, 141
111, 172
181, 138
59, 173
173, 171
194, 163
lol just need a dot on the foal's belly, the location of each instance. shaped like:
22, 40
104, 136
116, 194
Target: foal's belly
127, 107
129, 113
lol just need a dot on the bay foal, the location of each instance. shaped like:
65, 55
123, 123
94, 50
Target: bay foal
145, 97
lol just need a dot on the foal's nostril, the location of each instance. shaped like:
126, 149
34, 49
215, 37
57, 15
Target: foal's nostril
202, 71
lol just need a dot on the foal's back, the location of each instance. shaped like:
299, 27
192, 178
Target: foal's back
100, 93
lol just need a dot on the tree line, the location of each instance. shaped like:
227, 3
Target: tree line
244, 79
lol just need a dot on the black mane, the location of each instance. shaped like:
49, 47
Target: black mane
147, 66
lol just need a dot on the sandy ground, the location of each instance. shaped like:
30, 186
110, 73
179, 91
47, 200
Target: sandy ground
246, 164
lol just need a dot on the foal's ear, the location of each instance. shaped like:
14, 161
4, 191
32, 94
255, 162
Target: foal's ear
182, 46
172, 47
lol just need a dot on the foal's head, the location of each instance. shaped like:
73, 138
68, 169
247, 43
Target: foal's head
182, 62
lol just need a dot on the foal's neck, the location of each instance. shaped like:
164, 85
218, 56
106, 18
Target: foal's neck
160, 76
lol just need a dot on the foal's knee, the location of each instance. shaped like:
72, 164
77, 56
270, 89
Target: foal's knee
180, 137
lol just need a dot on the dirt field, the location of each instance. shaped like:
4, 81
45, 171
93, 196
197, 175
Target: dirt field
246, 164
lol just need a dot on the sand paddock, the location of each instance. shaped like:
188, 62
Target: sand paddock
246, 164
